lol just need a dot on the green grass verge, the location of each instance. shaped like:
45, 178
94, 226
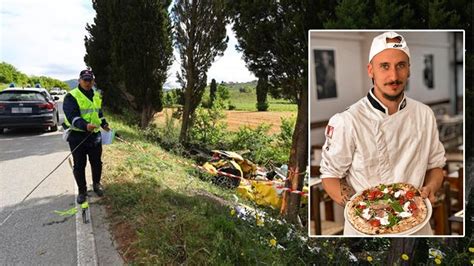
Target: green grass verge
178, 216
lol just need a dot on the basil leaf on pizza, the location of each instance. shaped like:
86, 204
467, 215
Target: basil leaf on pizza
387, 209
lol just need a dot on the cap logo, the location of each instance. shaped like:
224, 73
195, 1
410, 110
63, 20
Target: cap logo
385, 41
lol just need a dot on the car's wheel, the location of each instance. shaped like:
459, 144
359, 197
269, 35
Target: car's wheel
55, 127
1, 130
227, 181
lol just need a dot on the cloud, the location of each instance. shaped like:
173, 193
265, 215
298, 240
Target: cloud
46, 38
229, 67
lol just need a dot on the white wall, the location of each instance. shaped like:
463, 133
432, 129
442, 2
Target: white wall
351, 59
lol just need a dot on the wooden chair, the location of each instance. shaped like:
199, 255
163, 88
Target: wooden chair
440, 211
319, 226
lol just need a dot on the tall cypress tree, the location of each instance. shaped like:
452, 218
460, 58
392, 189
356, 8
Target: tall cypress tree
141, 53
98, 56
262, 90
212, 91
200, 36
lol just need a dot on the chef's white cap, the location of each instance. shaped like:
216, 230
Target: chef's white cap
379, 43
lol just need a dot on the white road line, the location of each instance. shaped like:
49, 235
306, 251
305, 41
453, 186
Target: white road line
86, 251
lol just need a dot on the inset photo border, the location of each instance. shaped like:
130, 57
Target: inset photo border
384, 122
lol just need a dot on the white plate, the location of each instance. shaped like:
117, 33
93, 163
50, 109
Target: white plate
21, 110
406, 232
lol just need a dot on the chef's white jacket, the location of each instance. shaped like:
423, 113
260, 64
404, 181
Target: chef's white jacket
369, 147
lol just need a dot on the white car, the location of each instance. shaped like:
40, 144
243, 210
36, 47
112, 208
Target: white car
55, 91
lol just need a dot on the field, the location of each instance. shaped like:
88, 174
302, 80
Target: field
246, 101
236, 119
244, 98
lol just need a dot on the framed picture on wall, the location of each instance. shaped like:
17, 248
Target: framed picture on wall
428, 71
324, 61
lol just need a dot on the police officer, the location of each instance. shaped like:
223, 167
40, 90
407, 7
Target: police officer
82, 108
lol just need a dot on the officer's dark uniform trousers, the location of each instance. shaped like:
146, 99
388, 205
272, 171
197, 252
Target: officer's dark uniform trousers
92, 148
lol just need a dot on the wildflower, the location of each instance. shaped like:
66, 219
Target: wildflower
435, 253
472, 262
260, 222
437, 261
471, 249
273, 242
405, 256
232, 212
369, 259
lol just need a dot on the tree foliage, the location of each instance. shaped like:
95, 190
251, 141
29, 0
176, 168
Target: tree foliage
131, 46
9, 74
99, 55
200, 36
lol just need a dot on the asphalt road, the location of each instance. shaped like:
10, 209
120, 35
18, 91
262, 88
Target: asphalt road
34, 234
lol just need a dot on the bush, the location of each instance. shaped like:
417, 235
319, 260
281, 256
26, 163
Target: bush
285, 137
256, 140
223, 92
169, 99
166, 136
262, 106
231, 106
206, 101
208, 131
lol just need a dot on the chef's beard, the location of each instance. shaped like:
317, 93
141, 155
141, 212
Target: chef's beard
393, 98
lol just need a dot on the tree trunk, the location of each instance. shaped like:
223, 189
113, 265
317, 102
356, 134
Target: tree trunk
146, 115
298, 161
401, 246
183, 135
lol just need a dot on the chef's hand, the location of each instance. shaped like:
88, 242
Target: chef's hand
428, 192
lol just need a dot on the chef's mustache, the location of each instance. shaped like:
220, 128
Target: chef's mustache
395, 82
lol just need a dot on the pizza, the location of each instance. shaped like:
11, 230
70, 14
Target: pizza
387, 209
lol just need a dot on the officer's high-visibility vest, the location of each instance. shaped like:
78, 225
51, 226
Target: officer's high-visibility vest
89, 109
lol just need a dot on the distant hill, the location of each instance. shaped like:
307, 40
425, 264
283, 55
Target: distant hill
239, 85
72, 83
168, 86
9, 74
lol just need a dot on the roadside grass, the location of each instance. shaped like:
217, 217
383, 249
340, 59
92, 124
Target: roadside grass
174, 215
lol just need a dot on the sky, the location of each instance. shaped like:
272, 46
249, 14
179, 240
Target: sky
47, 38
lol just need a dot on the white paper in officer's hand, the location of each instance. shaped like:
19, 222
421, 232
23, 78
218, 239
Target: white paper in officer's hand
107, 136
